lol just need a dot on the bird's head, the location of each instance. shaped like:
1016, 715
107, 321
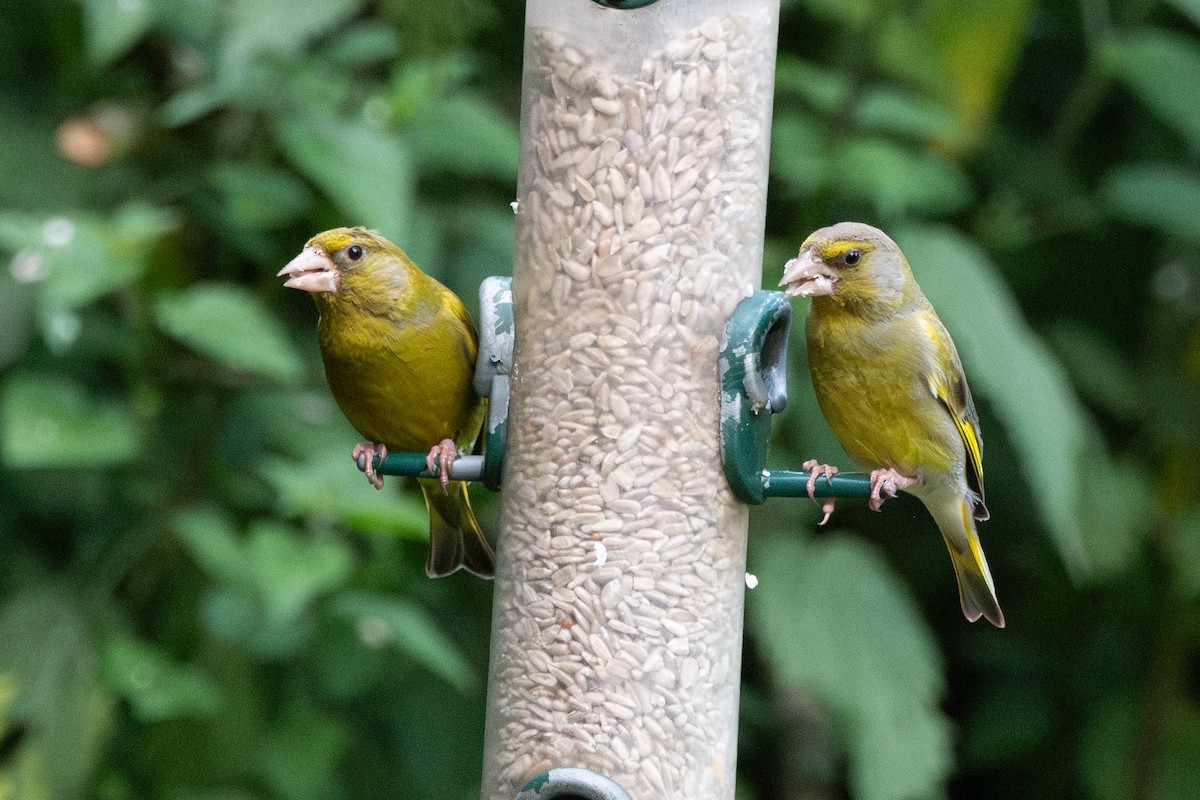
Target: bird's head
337, 259
852, 264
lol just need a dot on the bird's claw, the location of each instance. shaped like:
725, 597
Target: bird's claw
364, 456
815, 468
884, 484
440, 457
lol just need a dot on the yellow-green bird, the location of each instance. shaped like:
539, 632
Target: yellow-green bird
890, 384
399, 352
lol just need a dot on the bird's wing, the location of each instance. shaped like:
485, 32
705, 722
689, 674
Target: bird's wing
949, 385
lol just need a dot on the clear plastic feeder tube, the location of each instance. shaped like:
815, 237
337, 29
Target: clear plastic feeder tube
617, 625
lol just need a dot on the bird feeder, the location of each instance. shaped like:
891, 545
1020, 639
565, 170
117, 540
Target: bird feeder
617, 621
632, 370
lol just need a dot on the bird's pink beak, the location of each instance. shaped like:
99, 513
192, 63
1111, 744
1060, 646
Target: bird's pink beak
807, 275
311, 271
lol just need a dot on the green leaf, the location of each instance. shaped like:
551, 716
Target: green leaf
36, 176
52, 422
1182, 546
395, 622
439, 26
906, 49
1189, 8
1007, 365
17, 306
897, 180
275, 573
364, 170
894, 111
327, 485
62, 712
192, 103
484, 234
975, 47
834, 620
1011, 721
363, 44
313, 475
1112, 508
465, 135
300, 756
82, 267
76, 265
1178, 767
279, 26
212, 540
1111, 743
423, 81
853, 14
822, 89
156, 687
1100, 371
232, 326
1163, 197
84, 257
291, 571
1143, 59
799, 155
114, 27
1107, 740
257, 197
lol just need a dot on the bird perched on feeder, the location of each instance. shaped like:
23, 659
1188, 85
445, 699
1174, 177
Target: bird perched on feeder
399, 352
890, 384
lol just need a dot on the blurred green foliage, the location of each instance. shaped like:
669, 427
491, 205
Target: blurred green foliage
200, 598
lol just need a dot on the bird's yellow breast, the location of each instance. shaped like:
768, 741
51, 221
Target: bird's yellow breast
870, 379
403, 381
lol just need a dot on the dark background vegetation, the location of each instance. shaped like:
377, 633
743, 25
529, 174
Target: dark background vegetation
201, 599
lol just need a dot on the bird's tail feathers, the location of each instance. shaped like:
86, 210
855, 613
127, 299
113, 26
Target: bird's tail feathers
455, 539
956, 520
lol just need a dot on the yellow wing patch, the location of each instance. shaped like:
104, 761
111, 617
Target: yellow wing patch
949, 386
970, 437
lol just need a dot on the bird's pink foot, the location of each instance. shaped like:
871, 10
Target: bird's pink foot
364, 456
815, 468
440, 457
887, 482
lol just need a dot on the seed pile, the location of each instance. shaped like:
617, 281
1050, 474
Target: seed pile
640, 223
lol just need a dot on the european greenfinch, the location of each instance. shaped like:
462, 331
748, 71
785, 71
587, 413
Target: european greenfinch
889, 382
399, 353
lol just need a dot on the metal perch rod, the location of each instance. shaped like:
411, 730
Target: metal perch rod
786, 483
412, 465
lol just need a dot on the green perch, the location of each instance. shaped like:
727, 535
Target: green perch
788, 483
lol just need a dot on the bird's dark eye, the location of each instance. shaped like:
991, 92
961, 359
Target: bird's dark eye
851, 258
354, 252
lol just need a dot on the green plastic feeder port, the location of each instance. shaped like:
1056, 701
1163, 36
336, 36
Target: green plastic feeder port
493, 365
571, 783
753, 365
